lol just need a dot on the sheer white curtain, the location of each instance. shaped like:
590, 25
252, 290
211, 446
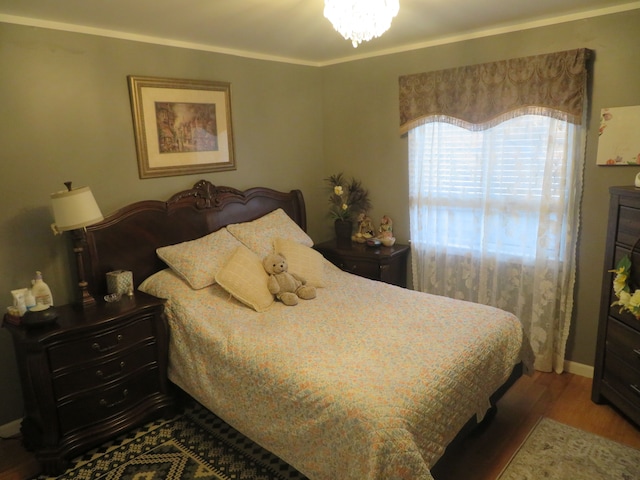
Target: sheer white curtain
494, 219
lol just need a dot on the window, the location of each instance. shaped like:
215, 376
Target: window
493, 190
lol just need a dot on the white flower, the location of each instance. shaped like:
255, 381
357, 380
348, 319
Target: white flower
634, 300
625, 298
619, 283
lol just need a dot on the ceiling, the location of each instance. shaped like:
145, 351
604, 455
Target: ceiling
295, 30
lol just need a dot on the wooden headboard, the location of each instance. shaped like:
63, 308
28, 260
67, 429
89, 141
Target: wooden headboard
128, 238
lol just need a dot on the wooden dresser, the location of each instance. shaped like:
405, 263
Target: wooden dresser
91, 375
617, 366
386, 264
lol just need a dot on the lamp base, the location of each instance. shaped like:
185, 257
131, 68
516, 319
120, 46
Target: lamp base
86, 299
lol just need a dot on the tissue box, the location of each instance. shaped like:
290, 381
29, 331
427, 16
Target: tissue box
119, 281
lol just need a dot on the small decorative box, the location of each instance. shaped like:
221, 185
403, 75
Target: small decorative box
119, 281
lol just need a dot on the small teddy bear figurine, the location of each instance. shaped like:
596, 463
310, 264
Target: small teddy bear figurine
287, 287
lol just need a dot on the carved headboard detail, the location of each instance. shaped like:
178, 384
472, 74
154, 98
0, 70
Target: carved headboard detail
128, 238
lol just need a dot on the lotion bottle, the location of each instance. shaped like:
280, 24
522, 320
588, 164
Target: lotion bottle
29, 299
41, 291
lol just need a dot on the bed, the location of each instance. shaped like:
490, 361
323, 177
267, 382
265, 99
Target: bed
366, 381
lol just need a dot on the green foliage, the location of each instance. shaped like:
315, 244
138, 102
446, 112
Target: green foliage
347, 199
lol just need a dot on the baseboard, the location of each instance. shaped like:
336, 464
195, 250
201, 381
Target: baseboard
10, 429
578, 369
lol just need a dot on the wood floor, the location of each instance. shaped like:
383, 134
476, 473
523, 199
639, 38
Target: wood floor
565, 398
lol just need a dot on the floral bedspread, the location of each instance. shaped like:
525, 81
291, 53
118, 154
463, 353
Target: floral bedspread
367, 381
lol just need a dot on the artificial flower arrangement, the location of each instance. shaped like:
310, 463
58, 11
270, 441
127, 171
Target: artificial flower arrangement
347, 199
626, 299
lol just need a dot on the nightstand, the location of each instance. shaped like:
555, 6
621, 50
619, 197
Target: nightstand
91, 376
387, 264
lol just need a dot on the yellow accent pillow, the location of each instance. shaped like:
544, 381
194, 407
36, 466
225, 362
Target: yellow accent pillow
302, 260
244, 277
198, 261
260, 233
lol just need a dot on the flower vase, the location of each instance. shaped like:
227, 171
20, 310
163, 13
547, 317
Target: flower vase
344, 229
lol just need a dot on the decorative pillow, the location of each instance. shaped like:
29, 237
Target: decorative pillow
244, 277
303, 260
161, 282
198, 261
260, 233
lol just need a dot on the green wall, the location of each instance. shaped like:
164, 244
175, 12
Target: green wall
361, 122
66, 116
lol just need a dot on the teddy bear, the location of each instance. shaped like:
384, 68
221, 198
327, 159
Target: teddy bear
287, 287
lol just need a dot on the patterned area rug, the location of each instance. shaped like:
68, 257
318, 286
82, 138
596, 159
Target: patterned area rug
194, 445
555, 451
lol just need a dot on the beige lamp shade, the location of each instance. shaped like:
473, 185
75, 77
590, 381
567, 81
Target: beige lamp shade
74, 208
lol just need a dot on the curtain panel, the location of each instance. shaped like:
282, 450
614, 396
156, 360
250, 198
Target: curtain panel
495, 190
481, 96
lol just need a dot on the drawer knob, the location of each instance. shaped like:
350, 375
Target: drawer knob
104, 403
347, 268
101, 374
100, 348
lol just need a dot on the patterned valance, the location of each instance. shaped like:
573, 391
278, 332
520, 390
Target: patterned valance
484, 95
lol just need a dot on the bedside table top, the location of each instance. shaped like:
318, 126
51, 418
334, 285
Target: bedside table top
72, 317
362, 249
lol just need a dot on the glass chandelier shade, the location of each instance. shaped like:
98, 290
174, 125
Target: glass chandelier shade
361, 20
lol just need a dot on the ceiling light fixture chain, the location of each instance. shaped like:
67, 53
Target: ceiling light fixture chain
361, 20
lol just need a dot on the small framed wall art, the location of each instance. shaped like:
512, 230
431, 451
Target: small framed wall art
619, 136
181, 126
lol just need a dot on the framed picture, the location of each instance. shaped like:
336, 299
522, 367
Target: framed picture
619, 136
181, 126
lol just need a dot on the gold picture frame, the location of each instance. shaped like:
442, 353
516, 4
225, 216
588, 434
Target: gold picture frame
181, 127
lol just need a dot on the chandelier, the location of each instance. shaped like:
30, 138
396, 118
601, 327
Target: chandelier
361, 20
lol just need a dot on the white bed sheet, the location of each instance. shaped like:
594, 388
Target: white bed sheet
367, 381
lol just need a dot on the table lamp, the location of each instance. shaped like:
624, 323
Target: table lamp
75, 209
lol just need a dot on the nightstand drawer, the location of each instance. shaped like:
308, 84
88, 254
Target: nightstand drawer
387, 264
98, 405
624, 342
101, 343
115, 368
357, 266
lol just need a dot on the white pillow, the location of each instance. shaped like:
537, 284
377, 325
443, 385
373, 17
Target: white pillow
260, 233
244, 277
198, 261
303, 260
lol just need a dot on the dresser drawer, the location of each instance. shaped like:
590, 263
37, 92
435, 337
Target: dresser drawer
100, 373
628, 225
101, 343
634, 283
100, 404
624, 342
622, 378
